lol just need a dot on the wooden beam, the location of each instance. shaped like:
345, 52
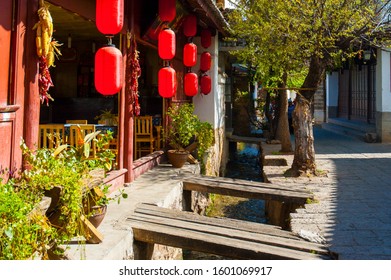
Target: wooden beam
226, 237
245, 189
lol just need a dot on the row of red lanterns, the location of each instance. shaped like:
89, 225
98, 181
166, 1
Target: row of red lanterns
108, 73
206, 62
167, 83
190, 55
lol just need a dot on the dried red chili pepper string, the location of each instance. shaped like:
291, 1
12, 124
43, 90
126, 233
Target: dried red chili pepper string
133, 73
44, 81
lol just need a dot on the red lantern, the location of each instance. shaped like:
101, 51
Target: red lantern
206, 61
206, 84
166, 44
167, 82
190, 55
167, 10
191, 84
206, 38
190, 26
109, 16
108, 70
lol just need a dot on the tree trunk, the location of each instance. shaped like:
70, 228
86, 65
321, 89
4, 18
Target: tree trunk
282, 132
304, 159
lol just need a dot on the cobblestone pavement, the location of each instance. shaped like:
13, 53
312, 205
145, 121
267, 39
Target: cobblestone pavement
353, 208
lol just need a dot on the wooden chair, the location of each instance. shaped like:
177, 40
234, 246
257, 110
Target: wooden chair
77, 133
144, 139
51, 135
76, 121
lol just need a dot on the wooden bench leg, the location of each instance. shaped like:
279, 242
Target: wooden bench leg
142, 250
187, 201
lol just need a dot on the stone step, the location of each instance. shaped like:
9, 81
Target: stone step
346, 129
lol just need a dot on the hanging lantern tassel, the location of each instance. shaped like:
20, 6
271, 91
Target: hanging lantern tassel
191, 84
108, 70
167, 84
190, 55
109, 16
206, 61
166, 44
167, 10
206, 84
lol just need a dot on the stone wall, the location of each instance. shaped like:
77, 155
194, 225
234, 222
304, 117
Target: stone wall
319, 104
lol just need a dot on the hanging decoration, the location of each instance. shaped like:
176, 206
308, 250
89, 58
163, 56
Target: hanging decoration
206, 61
47, 51
166, 44
109, 16
190, 26
191, 84
190, 55
167, 10
206, 84
133, 72
108, 70
167, 83
108, 59
206, 38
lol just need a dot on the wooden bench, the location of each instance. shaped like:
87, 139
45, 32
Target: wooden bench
220, 236
281, 200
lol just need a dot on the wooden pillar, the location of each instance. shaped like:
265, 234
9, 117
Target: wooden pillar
187, 200
32, 100
143, 250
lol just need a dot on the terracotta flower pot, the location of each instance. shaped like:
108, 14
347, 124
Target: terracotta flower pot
98, 214
177, 158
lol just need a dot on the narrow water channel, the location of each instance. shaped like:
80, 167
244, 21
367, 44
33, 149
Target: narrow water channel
243, 164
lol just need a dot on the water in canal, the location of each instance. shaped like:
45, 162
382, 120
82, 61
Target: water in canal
243, 164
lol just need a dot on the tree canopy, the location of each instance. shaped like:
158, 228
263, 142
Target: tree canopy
285, 36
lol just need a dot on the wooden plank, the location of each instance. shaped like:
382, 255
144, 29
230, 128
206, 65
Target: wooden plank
243, 182
218, 221
210, 243
92, 235
246, 191
237, 233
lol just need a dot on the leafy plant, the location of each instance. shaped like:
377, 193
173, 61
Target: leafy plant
25, 232
108, 117
185, 127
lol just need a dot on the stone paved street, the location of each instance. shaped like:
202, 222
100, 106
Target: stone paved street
353, 212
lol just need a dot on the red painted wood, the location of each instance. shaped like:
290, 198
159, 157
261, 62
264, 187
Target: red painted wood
5, 46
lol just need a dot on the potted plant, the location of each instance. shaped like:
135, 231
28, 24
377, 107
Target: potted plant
107, 117
185, 128
73, 181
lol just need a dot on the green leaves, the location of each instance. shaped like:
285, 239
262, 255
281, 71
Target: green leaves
283, 36
185, 127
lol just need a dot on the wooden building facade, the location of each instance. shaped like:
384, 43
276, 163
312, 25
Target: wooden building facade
74, 94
